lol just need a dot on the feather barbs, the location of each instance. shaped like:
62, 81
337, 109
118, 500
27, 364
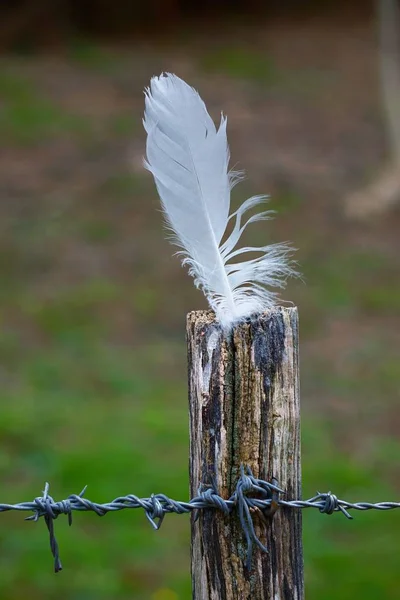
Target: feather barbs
188, 157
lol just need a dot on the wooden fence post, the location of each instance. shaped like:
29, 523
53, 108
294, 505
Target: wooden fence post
244, 409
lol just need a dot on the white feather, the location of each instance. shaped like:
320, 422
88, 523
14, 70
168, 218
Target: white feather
189, 158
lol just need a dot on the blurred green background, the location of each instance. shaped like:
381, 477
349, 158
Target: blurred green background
93, 303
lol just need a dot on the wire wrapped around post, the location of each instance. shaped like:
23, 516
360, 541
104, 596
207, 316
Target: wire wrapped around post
244, 410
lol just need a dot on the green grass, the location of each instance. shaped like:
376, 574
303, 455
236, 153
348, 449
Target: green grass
348, 559
349, 281
124, 125
97, 415
82, 411
257, 67
91, 56
78, 408
86, 413
94, 378
241, 63
26, 117
73, 311
123, 185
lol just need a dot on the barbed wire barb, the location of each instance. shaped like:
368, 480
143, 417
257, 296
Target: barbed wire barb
266, 502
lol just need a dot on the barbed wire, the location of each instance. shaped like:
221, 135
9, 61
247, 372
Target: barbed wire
265, 503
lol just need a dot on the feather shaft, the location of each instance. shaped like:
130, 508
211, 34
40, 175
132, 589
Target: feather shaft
189, 157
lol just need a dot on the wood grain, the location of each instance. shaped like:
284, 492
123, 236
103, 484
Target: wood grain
245, 409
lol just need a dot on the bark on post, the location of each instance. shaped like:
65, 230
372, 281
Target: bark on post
244, 409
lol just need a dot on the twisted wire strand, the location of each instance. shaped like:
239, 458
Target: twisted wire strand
265, 504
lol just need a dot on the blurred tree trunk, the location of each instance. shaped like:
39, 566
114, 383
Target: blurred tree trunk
384, 191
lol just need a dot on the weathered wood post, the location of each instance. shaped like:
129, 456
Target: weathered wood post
243, 386
244, 409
